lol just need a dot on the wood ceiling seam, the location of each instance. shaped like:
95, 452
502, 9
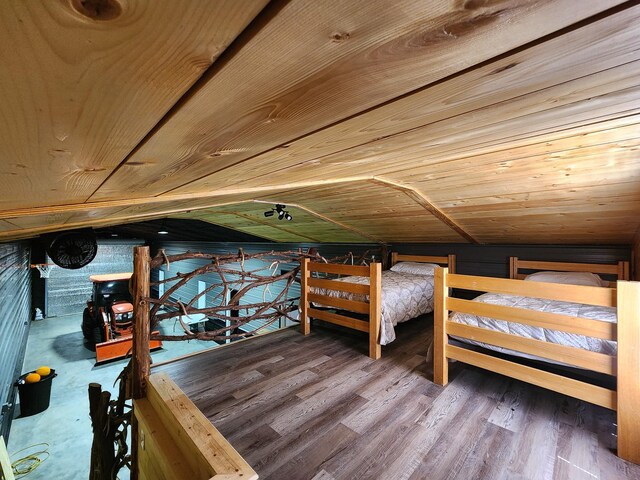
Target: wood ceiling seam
270, 10
538, 138
516, 14
533, 154
74, 207
530, 138
422, 200
80, 92
454, 75
299, 163
584, 106
546, 190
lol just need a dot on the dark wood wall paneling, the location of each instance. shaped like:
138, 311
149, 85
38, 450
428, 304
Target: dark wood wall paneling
493, 260
15, 314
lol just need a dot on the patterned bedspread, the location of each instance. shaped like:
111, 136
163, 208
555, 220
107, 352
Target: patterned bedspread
607, 314
404, 296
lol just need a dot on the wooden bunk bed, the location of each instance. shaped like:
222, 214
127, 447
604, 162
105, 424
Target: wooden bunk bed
623, 329
357, 305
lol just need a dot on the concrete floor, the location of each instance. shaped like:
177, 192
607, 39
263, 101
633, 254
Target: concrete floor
65, 425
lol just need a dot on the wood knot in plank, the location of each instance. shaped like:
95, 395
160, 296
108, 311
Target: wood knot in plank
99, 10
339, 37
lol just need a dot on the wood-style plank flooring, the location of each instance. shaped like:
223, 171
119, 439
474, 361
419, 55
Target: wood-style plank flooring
317, 407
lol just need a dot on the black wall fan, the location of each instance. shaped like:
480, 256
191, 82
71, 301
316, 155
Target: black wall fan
73, 250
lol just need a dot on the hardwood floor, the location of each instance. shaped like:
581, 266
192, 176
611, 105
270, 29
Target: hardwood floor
317, 407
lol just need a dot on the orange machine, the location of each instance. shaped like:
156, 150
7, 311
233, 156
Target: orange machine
107, 321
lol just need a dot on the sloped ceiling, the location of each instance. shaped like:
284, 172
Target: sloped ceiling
456, 121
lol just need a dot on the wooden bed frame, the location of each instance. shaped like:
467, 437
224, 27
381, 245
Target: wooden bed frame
625, 366
371, 308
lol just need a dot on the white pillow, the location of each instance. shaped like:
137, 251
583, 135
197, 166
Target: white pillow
415, 268
569, 278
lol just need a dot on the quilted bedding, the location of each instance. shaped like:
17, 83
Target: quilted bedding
404, 296
607, 314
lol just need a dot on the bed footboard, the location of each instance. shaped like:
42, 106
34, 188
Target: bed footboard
371, 308
625, 366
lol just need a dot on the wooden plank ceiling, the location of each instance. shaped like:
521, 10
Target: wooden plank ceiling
374, 121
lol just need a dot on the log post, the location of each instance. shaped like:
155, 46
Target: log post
102, 448
440, 317
140, 360
140, 364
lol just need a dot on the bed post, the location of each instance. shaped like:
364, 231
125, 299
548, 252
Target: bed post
375, 313
394, 258
305, 325
623, 270
629, 370
513, 267
440, 317
451, 264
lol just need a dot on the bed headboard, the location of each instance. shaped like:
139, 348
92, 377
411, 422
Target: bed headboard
620, 270
449, 260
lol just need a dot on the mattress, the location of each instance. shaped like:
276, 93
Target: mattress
404, 296
607, 314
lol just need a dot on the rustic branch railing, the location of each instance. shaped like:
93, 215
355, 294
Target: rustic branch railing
239, 274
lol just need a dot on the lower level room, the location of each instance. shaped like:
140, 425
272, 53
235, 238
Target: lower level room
321, 405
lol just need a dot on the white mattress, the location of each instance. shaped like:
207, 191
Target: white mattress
607, 314
404, 296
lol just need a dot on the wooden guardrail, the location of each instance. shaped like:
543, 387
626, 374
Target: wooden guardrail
176, 441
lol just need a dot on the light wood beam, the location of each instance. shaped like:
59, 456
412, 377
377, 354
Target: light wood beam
420, 199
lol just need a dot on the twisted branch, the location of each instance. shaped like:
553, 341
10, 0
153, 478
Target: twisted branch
237, 275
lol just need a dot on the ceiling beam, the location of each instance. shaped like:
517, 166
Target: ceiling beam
421, 200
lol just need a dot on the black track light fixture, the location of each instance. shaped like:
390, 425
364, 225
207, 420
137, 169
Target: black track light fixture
280, 210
